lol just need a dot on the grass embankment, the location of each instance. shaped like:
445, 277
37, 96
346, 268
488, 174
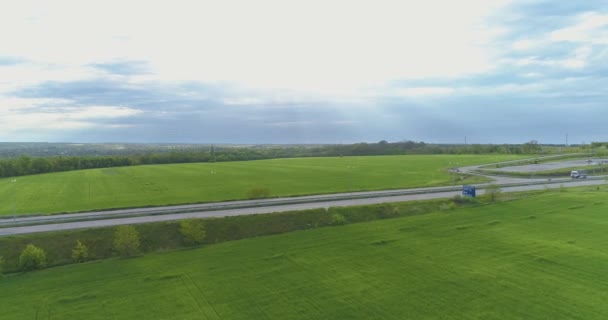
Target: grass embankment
166, 236
157, 185
538, 258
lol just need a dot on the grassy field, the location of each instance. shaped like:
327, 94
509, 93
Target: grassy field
538, 258
202, 182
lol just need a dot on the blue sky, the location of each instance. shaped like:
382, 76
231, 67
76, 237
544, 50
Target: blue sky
269, 71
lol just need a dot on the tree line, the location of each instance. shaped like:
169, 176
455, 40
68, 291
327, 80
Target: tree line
27, 165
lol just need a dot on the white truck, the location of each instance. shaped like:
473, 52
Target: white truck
578, 174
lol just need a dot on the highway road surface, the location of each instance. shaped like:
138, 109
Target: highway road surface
112, 218
546, 166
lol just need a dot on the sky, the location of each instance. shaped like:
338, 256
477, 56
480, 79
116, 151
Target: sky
281, 71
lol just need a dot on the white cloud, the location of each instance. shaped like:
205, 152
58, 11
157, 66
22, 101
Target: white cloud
11, 104
20, 76
313, 46
99, 112
532, 75
525, 44
42, 115
591, 28
578, 59
589, 33
424, 91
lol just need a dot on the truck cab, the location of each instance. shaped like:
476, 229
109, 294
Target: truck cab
578, 174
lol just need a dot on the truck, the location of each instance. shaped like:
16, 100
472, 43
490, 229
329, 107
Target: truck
578, 174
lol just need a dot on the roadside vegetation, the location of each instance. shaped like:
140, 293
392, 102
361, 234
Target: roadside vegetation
157, 185
32, 258
470, 262
76, 246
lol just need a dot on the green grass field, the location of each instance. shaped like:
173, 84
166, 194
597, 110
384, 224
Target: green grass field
543, 257
203, 182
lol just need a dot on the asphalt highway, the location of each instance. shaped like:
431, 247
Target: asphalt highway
148, 215
532, 168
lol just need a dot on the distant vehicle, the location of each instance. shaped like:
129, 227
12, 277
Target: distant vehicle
578, 174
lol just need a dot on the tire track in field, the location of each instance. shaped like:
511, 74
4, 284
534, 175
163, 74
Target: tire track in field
200, 308
107, 311
191, 287
43, 306
217, 315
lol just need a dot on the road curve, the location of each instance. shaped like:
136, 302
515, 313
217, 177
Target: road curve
505, 179
8, 231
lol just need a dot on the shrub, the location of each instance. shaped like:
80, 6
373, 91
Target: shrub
493, 191
80, 253
458, 199
338, 219
258, 193
387, 210
447, 206
193, 231
32, 258
126, 240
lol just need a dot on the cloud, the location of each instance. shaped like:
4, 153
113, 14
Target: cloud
424, 91
123, 68
578, 59
148, 95
306, 46
35, 117
313, 71
9, 61
591, 28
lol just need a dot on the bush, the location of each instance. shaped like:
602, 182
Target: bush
338, 219
493, 191
126, 241
80, 253
258, 193
458, 199
192, 231
32, 258
387, 210
447, 206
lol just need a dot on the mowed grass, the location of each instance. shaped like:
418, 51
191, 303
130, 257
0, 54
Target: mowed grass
203, 182
538, 258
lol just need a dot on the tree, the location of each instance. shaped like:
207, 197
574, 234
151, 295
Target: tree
493, 191
24, 164
337, 219
126, 240
192, 231
80, 253
32, 258
531, 147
